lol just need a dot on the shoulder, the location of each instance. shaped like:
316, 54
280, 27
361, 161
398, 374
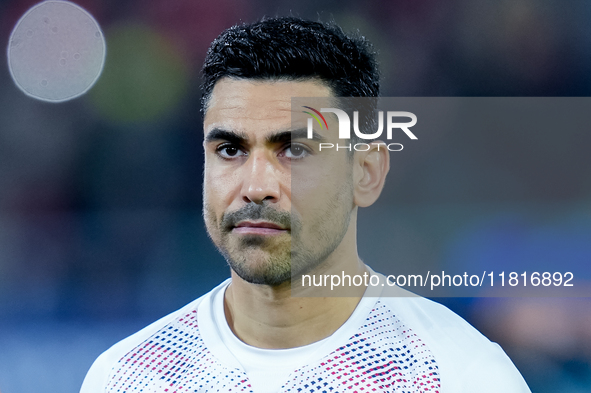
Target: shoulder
98, 376
466, 359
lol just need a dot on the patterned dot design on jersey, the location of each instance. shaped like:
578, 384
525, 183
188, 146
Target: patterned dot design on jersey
384, 356
175, 360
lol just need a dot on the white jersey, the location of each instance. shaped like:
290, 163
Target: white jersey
389, 344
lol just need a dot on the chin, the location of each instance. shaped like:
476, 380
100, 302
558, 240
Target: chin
268, 271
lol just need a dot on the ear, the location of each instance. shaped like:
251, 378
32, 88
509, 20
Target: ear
371, 168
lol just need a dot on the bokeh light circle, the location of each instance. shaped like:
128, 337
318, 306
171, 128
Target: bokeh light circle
56, 51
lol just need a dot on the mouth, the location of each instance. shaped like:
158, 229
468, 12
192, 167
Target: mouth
264, 228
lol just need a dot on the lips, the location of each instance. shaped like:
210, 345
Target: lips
259, 228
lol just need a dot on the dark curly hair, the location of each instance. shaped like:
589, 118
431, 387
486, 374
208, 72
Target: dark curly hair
291, 48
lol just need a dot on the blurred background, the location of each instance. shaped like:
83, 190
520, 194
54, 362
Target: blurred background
100, 197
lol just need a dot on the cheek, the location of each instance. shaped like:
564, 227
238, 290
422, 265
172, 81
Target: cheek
219, 186
311, 200
209, 216
312, 186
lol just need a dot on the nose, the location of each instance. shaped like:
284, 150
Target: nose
260, 181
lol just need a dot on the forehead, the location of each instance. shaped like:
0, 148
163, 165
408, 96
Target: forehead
243, 103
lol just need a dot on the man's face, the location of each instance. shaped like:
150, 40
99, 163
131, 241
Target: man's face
270, 198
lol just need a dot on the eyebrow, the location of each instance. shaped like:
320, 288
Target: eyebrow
217, 134
286, 136
241, 138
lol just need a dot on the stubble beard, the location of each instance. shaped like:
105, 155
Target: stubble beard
275, 260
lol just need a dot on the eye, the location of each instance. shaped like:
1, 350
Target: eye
230, 151
296, 151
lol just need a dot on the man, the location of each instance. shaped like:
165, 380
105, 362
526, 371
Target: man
277, 207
